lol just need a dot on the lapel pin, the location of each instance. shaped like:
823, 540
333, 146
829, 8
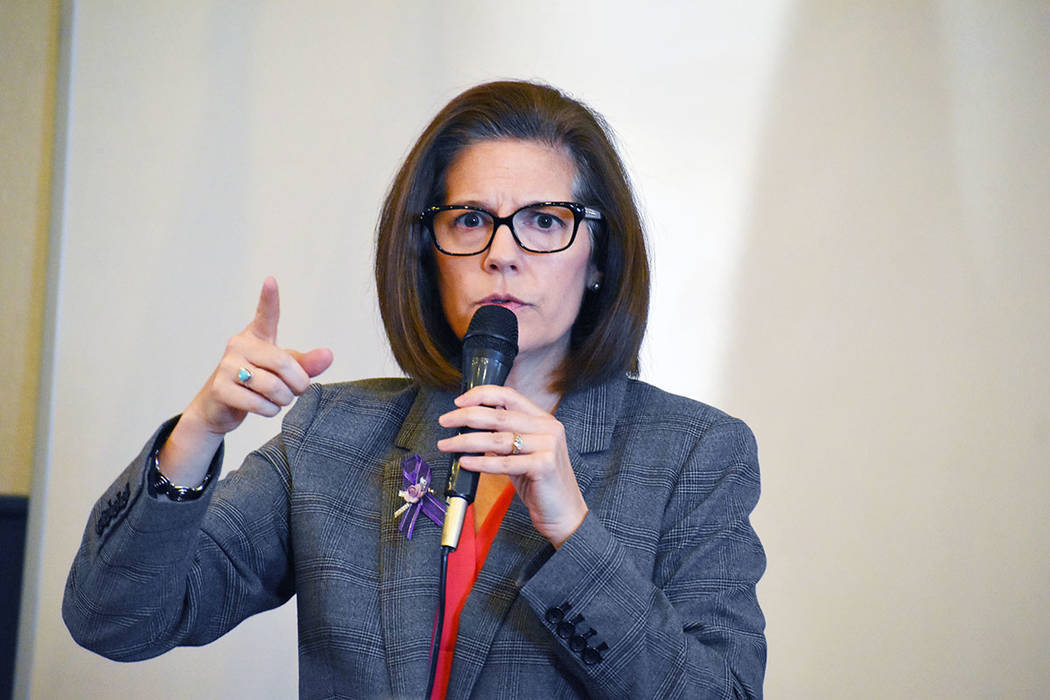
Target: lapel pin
418, 496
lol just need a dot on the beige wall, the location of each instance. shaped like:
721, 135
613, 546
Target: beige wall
28, 58
891, 351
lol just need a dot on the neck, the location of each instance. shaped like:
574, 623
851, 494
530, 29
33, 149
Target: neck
532, 376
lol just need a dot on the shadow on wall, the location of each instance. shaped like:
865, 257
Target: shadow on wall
890, 369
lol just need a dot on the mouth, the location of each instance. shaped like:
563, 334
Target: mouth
505, 300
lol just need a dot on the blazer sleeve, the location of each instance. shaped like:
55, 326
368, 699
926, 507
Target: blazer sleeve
692, 629
152, 574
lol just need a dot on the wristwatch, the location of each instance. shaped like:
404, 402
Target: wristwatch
160, 485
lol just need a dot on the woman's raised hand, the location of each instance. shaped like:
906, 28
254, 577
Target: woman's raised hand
537, 464
253, 376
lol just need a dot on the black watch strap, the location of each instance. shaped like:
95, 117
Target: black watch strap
159, 485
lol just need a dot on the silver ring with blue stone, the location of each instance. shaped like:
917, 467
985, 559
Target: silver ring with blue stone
243, 375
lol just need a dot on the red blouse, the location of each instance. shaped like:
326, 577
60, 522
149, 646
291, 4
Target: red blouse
463, 567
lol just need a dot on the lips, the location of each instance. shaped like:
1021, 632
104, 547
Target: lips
505, 300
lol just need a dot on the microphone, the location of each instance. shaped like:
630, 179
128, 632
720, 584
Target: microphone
489, 348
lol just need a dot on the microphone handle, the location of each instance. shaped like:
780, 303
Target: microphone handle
483, 366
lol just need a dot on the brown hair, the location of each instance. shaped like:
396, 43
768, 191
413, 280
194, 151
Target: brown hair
609, 328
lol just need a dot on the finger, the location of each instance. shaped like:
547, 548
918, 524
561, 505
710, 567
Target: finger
242, 398
501, 443
499, 396
313, 362
262, 382
494, 419
271, 358
267, 313
531, 465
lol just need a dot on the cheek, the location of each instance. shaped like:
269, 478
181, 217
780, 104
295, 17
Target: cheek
569, 293
581, 272
450, 288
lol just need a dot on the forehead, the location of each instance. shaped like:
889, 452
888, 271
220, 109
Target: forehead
510, 171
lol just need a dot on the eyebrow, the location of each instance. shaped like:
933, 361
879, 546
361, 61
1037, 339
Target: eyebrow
469, 203
482, 205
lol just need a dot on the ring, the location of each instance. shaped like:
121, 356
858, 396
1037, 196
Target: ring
243, 375
516, 444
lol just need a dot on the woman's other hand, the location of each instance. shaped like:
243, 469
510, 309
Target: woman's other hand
253, 376
539, 467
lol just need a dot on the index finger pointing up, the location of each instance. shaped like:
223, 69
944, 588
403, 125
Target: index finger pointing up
264, 325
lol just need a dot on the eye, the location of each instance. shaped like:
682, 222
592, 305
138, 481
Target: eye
469, 219
545, 219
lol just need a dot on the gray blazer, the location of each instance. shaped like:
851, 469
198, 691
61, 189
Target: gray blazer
653, 596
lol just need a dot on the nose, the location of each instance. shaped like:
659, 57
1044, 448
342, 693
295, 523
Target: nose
503, 253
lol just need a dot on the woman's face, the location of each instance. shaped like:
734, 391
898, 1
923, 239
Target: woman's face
544, 290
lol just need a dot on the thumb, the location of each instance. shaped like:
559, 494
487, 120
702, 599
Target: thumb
264, 325
315, 361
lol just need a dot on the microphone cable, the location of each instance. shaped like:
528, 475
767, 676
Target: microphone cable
435, 640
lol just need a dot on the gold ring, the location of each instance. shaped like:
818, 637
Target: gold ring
516, 444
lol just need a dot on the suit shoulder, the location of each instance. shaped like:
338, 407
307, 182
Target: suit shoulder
378, 390
705, 442
644, 402
357, 402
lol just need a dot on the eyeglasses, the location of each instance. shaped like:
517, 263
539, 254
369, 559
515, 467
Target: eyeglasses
546, 227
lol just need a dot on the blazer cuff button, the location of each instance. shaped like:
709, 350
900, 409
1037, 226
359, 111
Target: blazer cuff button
568, 627
556, 614
592, 655
578, 642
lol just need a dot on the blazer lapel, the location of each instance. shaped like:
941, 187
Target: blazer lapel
409, 569
519, 550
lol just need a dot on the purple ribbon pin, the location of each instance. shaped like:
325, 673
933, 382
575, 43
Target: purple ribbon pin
415, 477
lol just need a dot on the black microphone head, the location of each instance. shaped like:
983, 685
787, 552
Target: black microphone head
492, 327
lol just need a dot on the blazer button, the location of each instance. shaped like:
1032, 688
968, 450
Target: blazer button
578, 642
557, 614
567, 628
593, 655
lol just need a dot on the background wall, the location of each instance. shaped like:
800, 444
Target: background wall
28, 75
847, 207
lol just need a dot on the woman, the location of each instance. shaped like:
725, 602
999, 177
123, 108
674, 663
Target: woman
611, 518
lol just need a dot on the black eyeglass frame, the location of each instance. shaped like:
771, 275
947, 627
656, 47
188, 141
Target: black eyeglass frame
580, 213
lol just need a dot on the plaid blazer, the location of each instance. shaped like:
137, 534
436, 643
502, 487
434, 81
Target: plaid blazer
653, 596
